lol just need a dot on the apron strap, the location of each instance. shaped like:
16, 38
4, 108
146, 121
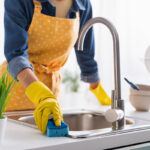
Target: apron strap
37, 4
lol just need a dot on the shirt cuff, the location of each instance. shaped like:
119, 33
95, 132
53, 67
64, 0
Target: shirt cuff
92, 78
17, 64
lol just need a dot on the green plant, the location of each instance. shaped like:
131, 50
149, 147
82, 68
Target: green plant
6, 85
71, 81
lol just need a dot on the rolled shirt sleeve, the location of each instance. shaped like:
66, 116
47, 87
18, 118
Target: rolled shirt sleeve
15, 44
85, 58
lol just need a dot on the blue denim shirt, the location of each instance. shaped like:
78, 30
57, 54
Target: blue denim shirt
17, 19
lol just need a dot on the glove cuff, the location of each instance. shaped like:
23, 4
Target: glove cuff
101, 95
94, 89
37, 91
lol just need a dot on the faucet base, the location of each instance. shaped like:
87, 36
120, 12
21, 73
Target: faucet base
119, 124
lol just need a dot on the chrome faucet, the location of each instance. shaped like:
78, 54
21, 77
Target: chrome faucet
117, 107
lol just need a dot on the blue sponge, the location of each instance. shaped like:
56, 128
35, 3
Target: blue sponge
53, 131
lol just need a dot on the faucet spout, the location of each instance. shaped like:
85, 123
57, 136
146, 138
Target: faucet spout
117, 102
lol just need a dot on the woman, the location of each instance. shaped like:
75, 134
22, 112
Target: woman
39, 35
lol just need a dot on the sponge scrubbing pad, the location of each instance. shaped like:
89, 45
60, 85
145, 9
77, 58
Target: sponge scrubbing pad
53, 131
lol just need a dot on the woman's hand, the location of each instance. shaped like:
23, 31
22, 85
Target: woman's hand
44, 109
47, 105
99, 92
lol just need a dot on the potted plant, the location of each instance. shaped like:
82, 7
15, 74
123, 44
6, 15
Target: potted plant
71, 81
73, 95
6, 85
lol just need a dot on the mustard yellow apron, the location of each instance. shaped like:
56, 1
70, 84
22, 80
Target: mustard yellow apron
50, 41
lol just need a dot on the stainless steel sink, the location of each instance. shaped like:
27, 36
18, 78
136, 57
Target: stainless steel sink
82, 123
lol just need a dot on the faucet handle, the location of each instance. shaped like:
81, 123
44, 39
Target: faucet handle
113, 115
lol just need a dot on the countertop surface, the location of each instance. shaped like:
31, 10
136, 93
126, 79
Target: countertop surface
21, 137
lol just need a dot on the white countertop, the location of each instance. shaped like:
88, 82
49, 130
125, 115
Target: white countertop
19, 137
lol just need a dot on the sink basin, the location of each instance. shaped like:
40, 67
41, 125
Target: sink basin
83, 123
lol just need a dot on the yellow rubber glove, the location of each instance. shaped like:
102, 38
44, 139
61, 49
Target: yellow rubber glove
101, 95
47, 105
